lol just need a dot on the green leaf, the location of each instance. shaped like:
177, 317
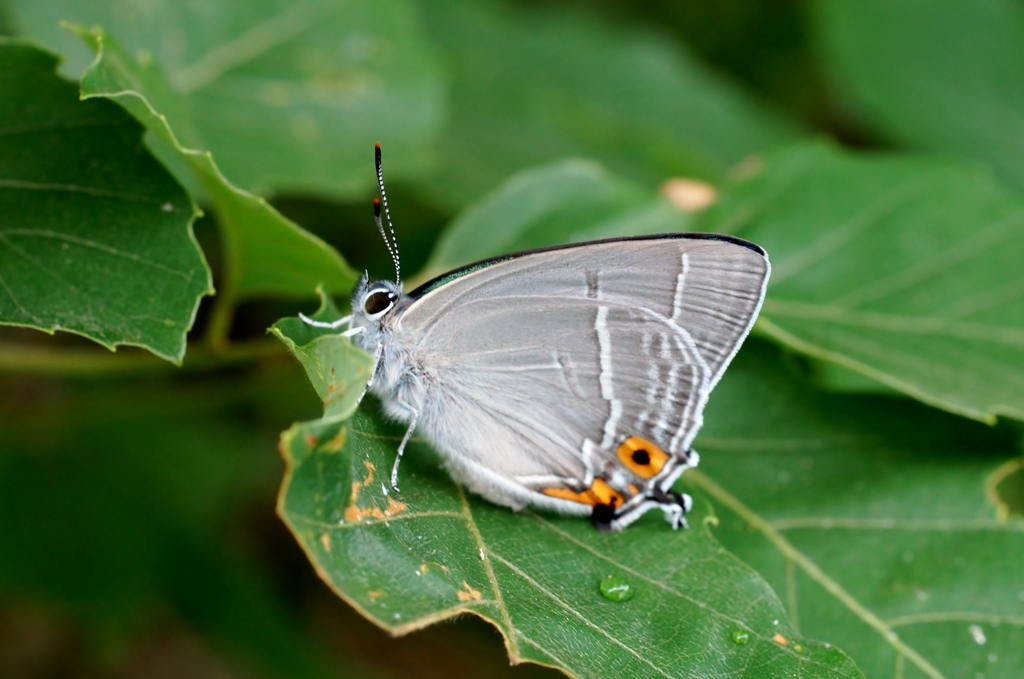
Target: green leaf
338, 369
95, 236
267, 254
563, 202
942, 75
870, 518
905, 270
431, 552
532, 86
289, 96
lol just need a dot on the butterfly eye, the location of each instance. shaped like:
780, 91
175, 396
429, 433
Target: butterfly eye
377, 302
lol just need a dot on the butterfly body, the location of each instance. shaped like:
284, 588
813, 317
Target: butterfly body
571, 379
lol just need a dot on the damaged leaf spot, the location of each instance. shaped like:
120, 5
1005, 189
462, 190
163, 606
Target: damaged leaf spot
356, 513
467, 593
1005, 489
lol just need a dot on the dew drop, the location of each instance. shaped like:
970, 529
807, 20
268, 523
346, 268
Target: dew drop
740, 637
615, 588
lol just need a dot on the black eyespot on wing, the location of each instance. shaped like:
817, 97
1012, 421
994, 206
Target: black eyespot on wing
641, 457
377, 303
602, 517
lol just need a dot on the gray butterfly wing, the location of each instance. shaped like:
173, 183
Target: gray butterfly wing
542, 364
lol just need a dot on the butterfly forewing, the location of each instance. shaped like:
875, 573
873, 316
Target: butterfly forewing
552, 359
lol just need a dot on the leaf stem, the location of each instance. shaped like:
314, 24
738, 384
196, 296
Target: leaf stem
87, 362
813, 570
222, 315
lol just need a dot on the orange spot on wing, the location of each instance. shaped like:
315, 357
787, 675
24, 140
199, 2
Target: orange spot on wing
584, 498
641, 457
599, 493
606, 495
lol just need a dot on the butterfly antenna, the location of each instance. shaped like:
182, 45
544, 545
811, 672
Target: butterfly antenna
393, 249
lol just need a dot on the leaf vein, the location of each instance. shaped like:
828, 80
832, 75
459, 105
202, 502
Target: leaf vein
814, 572
956, 616
551, 595
249, 45
110, 250
404, 516
942, 525
74, 188
841, 234
485, 553
895, 322
656, 583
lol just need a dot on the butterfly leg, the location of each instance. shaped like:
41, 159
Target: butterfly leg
674, 505
334, 325
401, 447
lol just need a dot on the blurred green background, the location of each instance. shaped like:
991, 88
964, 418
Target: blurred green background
137, 499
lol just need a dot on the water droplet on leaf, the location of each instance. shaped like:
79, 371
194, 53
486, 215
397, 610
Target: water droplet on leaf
740, 637
615, 588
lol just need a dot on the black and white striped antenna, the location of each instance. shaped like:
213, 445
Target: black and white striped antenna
393, 242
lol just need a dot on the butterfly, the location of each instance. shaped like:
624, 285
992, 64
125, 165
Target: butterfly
569, 378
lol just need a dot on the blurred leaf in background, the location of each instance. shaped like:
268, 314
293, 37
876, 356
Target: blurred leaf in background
563, 202
941, 75
528, 87
284, 94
